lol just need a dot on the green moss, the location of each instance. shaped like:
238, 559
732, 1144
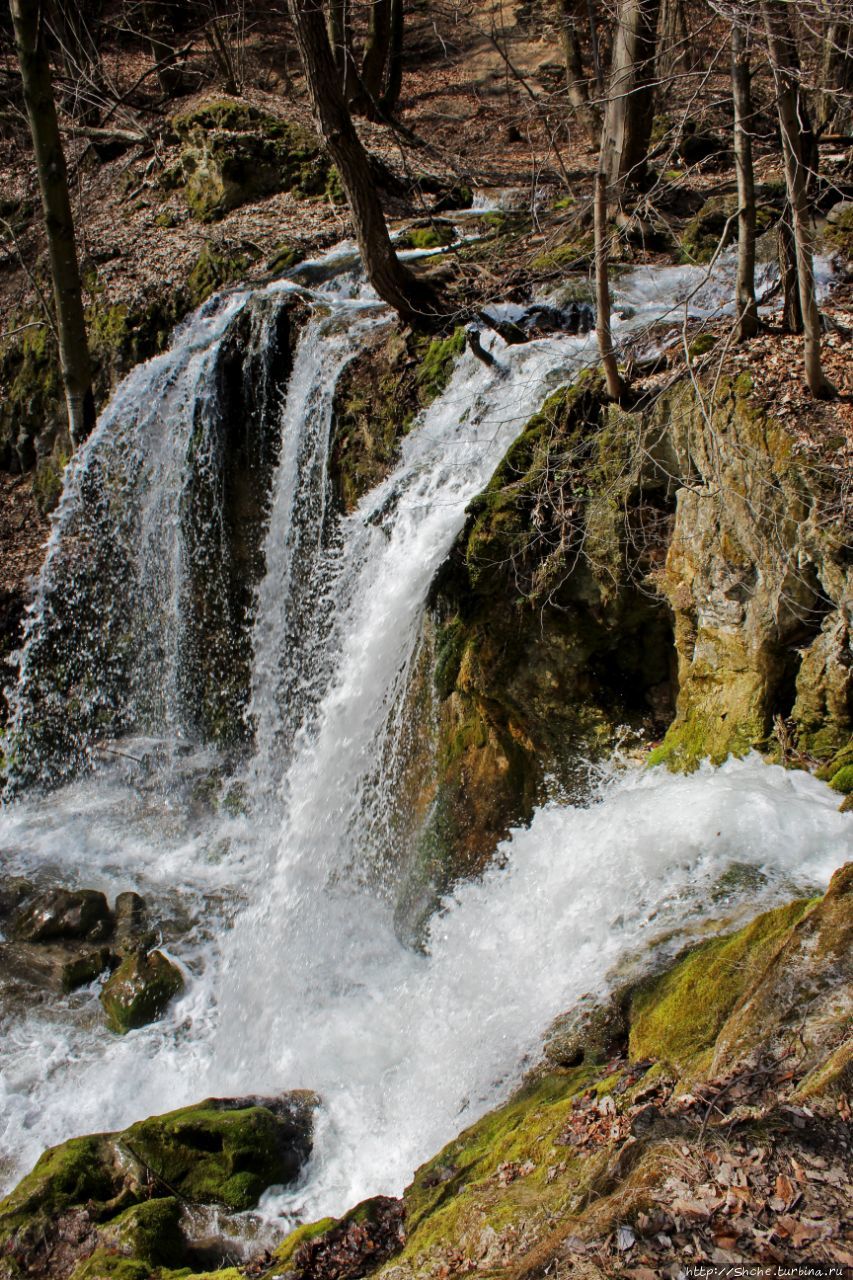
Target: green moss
212, 270
284, 257
436, 365
72, 1173
843, 780
49, 476
233, 153
571, 255
717, 221
212, 1155
450, 645
463, 1181
284, 1254
431, 237
104, 1265
838, 234
677, 1017
702, 344
140, 990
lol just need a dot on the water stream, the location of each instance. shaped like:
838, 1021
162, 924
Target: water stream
295, 976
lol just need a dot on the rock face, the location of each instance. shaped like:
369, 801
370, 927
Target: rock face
140, 990
98, 1203
233, 153
623, 563
547, 631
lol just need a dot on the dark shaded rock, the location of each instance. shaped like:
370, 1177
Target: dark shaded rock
140, 990
64, 913
132, 925
86, 967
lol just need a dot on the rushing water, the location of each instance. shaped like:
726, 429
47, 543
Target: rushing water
296, 977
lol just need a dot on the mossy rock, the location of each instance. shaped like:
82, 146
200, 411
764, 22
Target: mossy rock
837, 235
213, 269
233, 154
378, 397
574, 254
226, 1151
677, 1017
432, 235
131, 1187
717, 221
140, 990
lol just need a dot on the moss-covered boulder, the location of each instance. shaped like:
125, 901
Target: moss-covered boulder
140, 990
837, 235
112, 1204
736, 1074
345, 1248
233, 153
715, 224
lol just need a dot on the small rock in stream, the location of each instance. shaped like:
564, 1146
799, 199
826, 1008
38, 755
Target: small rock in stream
140, 990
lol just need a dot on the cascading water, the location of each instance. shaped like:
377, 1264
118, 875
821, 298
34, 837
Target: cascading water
296, 977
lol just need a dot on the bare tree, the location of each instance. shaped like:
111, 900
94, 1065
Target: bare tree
394, 79
630, 98
783, 62
394, 283
56, 204
747, 309
615, 385
568, 18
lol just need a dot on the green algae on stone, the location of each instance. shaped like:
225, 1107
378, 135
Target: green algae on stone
677, 1017
140, 990
223, 1152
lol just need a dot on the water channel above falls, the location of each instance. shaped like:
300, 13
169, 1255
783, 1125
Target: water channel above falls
273, 904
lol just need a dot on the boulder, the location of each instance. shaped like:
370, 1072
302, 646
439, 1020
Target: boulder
132, 926
64, 913
140, 990
97, 1204
233, 154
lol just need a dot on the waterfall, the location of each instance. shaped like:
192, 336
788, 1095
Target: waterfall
295, 975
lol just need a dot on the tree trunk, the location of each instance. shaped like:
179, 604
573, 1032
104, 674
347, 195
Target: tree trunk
394, 82
615, 385
836, 74
394, 283
673, 40
59, 225
375, 58
630, 101
747, 309
783, 62
576, 84
792, 314
169, 77
340, 38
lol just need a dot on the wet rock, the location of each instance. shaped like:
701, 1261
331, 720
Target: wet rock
64, 913
96, 1204
227, 1151
140, 990
716, 222
132, 925
590, 1032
